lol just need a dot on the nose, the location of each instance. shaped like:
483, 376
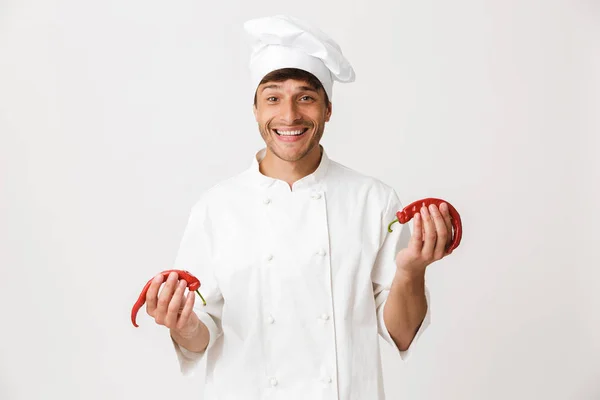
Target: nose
289, 112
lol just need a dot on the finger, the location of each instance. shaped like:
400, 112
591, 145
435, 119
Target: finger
441, 232
164, 298
175, 305
430, 235
416, 239
152, 294
187, 310
445, 210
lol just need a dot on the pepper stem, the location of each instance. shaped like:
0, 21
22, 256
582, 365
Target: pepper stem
392, 223
203, 301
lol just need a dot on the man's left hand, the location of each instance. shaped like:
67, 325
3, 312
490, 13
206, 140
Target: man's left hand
432, 233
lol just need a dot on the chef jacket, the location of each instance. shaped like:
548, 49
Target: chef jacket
295, 280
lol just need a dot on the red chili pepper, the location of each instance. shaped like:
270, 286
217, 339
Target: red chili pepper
193, 284
410, 210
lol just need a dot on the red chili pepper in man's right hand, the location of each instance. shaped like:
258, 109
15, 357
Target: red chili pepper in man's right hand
193, 284
410, 210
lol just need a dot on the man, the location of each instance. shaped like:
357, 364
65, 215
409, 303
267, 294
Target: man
298, 269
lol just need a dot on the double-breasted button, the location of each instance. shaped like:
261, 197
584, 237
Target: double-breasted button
270, 319
269, 257
267, 200
273, 382
316, 196
327, 379
324, 317
321, 252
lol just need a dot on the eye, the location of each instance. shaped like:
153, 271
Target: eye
272, 98
306, 98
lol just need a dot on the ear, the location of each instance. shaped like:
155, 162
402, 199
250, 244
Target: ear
328, 112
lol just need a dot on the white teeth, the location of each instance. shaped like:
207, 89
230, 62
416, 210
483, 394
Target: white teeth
289, 133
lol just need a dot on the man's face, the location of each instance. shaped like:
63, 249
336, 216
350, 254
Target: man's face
291, 117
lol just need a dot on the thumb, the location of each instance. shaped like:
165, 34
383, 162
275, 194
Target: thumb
416, 239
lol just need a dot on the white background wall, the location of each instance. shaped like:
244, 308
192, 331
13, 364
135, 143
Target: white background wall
116, 115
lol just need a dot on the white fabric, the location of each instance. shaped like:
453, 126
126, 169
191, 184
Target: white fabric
286, 42
295, 282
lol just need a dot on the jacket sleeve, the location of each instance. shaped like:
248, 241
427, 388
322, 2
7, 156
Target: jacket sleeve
194, 256
384, 271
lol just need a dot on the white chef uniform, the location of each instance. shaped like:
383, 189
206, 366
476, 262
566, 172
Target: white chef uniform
295, 281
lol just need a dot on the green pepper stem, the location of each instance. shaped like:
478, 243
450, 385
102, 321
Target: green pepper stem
392, 223
203, 301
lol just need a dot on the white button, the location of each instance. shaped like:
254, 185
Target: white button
269, 257
325, 317
327, 380
322, 252
267, 201
316, 196
270, 319
273, 382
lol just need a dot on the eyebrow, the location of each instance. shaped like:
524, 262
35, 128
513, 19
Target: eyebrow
300, 88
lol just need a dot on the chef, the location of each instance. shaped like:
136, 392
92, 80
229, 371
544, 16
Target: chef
298, 269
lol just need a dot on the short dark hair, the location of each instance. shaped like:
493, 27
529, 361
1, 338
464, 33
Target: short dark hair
284, 74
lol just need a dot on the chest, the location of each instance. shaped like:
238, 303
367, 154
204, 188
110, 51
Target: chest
289, 239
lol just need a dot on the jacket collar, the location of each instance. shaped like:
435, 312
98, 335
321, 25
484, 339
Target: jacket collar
310, 181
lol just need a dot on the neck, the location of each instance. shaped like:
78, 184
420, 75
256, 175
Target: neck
290, 171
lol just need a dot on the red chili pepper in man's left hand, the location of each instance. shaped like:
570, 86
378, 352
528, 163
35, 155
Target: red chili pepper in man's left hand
193, 284
408, 212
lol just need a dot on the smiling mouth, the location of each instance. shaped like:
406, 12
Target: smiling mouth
288, 132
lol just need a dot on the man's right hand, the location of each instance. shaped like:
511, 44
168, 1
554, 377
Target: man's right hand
172, 309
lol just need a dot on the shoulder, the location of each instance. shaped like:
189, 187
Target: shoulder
358, 182
220, 192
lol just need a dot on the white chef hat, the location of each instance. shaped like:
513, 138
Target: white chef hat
286, 42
